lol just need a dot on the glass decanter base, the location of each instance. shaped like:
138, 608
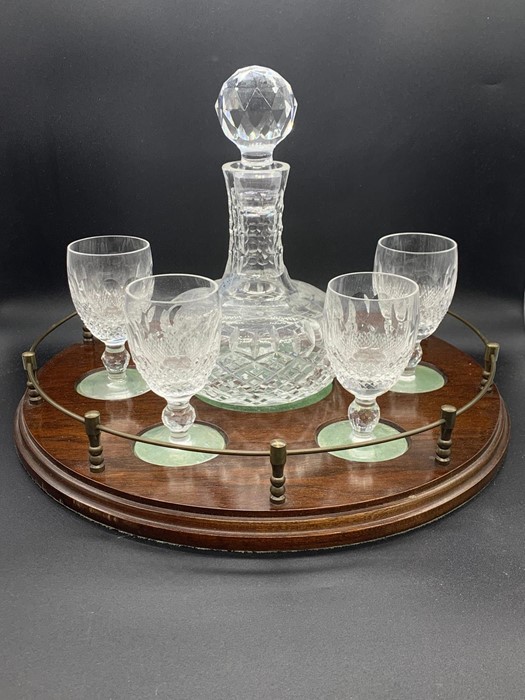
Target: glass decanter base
426, 379
276, 408
340, 433
272, 359
200, 435
267, 386
98, 385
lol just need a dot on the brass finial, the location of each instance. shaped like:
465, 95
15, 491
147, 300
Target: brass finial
444, 443
29, 361
96, 458
277, 479
491, 356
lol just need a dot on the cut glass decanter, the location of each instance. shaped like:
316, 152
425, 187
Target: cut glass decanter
272, 355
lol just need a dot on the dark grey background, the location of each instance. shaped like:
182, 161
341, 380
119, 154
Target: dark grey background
410, 118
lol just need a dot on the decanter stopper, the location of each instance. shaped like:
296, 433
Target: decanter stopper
256, 109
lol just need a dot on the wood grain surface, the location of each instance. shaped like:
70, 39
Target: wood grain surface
224, 503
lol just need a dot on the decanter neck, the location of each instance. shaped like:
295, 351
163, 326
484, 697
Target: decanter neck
256, 201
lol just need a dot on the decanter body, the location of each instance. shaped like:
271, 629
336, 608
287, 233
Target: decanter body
272, 354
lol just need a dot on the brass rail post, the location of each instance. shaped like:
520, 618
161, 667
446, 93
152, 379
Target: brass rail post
277, 479
491, 355
29, 360
444, 443
96, 458
87, 335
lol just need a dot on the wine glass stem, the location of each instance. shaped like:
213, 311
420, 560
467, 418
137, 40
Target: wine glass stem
363, 415
410, 369
178, 417
116, 359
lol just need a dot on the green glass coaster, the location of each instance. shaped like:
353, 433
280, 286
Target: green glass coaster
426, 379
200, 435
340, 434
98, 385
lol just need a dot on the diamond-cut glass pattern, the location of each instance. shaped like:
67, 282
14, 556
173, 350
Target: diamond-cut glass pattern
369, 340
272, 351
432, 262
278, 361
99, 269
256, 109
174, 345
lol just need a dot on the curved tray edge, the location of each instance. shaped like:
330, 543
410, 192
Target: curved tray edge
263, 534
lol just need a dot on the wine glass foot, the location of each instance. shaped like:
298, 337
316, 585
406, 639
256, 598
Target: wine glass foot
339, 433
98, 385
200, 434
425, 379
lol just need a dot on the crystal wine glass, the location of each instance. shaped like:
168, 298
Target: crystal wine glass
370, 326
431, 261
174, 329
98, 271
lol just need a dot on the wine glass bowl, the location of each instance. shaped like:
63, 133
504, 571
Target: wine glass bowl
174, 326
370, 324
431, 261
99, 268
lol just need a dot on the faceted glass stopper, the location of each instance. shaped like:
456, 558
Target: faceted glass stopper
256, 109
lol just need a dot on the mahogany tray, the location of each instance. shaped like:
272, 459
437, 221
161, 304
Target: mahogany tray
224, 503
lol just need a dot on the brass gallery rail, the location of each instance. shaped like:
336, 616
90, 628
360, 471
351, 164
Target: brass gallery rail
278, 450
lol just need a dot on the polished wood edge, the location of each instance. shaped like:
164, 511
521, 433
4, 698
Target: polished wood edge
264, 533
